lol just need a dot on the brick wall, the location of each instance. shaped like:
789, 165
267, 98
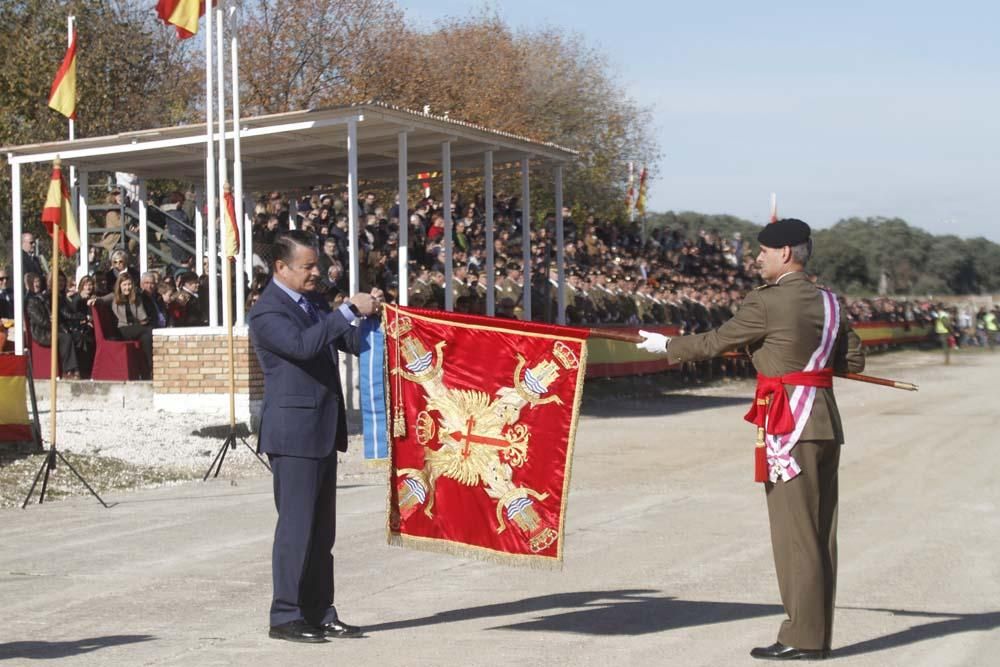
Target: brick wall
194, 361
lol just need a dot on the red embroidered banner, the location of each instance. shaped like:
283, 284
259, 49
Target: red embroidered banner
483, 417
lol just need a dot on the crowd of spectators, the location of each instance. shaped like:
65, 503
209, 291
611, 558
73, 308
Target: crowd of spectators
614, 276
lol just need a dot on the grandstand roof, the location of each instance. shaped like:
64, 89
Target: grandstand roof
298, 148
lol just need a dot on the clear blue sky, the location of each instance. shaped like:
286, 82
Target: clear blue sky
881, 107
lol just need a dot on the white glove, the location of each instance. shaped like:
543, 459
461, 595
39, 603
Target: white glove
656, 343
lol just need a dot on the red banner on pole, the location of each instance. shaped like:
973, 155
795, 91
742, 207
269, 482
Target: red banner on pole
483, 415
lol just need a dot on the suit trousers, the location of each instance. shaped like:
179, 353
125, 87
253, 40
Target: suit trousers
803, 517
305, 495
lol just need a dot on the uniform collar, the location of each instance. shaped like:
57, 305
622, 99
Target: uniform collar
789, 273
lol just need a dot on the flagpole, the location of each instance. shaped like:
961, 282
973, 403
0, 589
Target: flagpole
75, 204
210, 194
224, 189
54, 340
245, 244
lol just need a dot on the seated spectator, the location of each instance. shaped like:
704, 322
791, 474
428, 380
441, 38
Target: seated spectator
119, 263
39, 308
148, 284
187, 309
75, 316
6, 294
133, 315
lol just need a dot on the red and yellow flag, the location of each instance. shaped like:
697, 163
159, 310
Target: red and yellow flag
59, 211
15, 424
483, 418
183, 14
230, 230
62, 97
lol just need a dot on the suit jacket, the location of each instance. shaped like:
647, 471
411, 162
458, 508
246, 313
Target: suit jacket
782, 325
7, 302
303, 412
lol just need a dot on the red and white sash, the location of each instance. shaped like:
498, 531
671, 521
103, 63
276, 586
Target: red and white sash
781, 463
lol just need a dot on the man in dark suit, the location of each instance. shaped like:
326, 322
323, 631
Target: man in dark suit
30, 261
6, 293
302, 427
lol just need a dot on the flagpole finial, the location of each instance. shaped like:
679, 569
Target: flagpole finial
226, 188
57, 162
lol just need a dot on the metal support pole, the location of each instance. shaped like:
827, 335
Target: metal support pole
216, 270
449, 295
72, 135
18, 277
404, 225
490, 223
199, 230
245, 241
248, 205
143, 229
352, 206
526, 268
210, 195
560, 259
83, 220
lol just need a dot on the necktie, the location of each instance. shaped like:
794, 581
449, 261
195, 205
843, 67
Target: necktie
310, 310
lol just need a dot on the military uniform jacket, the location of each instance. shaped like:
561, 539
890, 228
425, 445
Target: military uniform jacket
782, 325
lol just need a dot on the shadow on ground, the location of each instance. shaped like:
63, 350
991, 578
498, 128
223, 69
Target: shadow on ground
621, 612
949, 624
41, 650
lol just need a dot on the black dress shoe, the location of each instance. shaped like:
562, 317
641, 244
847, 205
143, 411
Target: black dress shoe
297, 631
778, 651
341, 630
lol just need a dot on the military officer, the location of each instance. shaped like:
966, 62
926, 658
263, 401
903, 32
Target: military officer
510, 291
798, 335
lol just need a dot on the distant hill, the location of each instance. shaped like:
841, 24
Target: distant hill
856, 254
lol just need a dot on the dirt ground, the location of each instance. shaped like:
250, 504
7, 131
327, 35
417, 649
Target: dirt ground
667, 556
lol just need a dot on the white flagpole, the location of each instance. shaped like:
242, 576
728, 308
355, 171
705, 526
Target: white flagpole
245, 242
213, 318
82, 256
224, 228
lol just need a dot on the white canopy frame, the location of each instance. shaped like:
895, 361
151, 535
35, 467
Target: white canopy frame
289, 151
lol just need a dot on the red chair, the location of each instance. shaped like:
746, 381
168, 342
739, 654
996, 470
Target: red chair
41, 356
114, 359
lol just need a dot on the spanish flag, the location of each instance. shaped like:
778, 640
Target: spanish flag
59, 211
183, 14
62, 97
15, 424
230, 230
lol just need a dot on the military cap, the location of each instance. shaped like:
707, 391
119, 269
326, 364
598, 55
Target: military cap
780, 233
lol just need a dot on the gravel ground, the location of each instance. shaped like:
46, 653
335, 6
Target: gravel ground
117, 447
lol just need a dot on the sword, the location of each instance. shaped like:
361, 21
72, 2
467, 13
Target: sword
870, 379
